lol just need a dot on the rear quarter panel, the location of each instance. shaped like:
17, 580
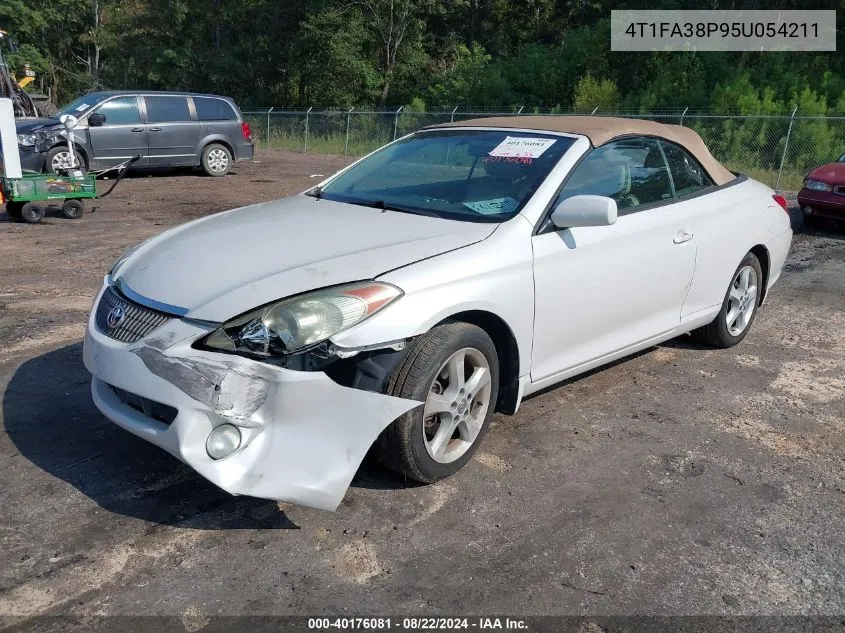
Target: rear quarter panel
728, 223
229, 134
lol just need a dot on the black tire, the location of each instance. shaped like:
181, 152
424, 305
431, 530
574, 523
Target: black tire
812, 221
62, 149
401, 446
13, 209
32, 212
216, 160
73, 209
717, 333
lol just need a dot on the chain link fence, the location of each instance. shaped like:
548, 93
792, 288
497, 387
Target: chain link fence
778, 150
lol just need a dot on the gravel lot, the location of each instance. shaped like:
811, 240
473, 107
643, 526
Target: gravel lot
681, 481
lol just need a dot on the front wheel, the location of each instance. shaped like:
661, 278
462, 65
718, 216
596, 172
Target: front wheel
216, 160
812, 221
454, 370
32, 212
59, 158
738, 308
13, 209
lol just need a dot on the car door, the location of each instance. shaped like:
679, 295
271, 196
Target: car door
711, 219
121, 136
173, 132
601, 290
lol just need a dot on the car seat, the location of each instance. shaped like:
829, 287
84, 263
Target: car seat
501, 179
651, 181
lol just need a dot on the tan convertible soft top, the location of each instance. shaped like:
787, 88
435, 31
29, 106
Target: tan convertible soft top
600, 130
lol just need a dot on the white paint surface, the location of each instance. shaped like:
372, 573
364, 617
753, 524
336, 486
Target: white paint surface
572, 298
11, 166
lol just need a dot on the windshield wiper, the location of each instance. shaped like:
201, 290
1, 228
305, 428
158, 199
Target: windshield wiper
381, 204
375, 204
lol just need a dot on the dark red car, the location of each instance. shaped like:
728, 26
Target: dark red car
823, 194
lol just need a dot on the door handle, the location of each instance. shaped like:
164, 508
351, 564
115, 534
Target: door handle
154, 129
137, 129
682, 236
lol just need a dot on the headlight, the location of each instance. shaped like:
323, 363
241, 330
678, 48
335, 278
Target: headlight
26, 140
291, 325
817, 185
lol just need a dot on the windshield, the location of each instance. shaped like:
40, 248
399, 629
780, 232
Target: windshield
80, 105
475, 176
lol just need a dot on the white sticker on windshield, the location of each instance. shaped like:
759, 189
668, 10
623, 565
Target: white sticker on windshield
492, 207
82, 107
522, 147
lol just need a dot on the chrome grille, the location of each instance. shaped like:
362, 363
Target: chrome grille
123, 320
839, 190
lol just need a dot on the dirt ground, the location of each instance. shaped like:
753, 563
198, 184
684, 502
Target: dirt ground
681, 481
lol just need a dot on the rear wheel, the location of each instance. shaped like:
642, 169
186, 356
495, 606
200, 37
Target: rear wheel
32, 212
454, 370
216, 160
738, 308
73, 209
13, 209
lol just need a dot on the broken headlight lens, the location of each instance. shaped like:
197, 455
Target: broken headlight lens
294, 324
27, 140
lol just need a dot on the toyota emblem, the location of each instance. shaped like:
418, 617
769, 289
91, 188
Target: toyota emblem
115, 316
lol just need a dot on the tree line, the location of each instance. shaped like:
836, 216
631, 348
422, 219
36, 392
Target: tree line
492, 54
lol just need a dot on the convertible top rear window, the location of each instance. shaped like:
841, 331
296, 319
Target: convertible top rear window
470, 175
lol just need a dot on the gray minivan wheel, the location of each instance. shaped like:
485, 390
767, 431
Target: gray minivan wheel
59, 158
216, 160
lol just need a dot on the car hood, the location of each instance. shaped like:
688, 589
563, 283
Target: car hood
832, 174
222, 265
29, 125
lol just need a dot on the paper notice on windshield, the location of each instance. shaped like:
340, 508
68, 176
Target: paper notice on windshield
494, 206
522, 147
80, 108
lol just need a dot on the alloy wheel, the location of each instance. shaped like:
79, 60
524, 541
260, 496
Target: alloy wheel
742, 300
217, 160
456, 405
61, 160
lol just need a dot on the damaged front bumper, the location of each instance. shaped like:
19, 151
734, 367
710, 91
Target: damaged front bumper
303, 435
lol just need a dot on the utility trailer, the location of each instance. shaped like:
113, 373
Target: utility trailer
25, 196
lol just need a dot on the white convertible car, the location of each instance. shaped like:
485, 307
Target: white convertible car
399, 303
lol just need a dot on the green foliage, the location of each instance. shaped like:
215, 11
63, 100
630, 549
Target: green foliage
460, 77
416, 105
492, 54
591, 93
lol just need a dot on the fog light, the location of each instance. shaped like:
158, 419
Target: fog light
223, 441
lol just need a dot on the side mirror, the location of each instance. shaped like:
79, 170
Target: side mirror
585, 211
96, 119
